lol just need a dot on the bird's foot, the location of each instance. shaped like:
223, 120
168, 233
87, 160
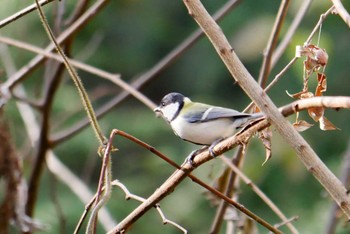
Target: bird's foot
193, 154
211, 147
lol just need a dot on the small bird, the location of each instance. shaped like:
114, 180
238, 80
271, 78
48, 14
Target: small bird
200, 123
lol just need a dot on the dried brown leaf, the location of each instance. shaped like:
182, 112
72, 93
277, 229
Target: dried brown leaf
310, 65
265, 136
300, 95
316, 57
316, 113
306, 95
320, 55
302, 125
327, 125
321, 85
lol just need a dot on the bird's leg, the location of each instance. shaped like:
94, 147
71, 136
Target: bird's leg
193, 154
198, 151
211, 147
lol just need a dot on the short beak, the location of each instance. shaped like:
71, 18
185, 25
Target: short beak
158, 112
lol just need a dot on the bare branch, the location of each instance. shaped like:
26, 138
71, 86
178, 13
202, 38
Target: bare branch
129, 195
104, 190
342, 11
271, 45
167, 221
333, 102
22, 12
78, 11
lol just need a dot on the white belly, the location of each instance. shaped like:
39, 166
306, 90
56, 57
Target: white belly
203, 133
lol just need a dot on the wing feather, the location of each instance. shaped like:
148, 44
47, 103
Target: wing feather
220, 112
209, 113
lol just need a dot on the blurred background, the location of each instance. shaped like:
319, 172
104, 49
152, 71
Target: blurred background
131, 37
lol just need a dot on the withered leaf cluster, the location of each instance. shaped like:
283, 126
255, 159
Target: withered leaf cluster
315, 63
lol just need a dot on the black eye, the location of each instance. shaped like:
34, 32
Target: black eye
162, 103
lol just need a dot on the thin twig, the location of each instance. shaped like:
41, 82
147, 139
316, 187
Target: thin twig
22, 12
129, 195
104, 186
167, 221
318, 25
58, 206
79, 10
292, 219
271, 45
332, 102
74, 75
290, 32
85, 213
230, 187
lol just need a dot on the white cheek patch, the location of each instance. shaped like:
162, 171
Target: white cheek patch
170, 110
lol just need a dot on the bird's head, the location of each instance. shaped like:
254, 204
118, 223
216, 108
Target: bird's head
171, 105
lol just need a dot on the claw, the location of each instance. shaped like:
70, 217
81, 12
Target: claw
211, 151
191, 156
211, 147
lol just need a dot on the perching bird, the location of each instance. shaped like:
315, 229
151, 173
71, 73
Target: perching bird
200, 123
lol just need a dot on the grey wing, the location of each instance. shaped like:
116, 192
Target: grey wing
212, 113
196, 117
220, 112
